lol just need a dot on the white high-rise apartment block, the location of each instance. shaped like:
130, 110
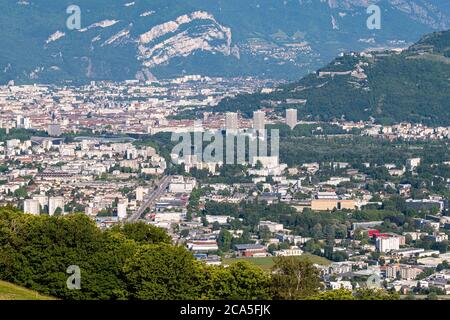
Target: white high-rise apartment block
231, 121
391, 271
26, 123
54, 203
291, 118
259, 120
43, 199
54, 130
386, 244
23, 122
19, 120
140, 193
122, 209
31, 206
408, 273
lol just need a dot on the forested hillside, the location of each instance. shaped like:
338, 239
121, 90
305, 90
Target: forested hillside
413, 85
137, 262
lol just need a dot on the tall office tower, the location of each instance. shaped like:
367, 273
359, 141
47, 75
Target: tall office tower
54, 203
259, 120
231, 122
291, 118
31, 206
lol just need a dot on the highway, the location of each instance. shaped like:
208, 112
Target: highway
151, 198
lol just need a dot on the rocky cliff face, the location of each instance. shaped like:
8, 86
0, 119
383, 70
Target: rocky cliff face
182, 37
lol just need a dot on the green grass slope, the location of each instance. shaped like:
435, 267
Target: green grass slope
9, 291
266, 263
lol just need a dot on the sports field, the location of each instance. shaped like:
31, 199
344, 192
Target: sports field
266, 263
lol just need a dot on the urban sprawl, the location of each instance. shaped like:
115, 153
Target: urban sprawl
89, 149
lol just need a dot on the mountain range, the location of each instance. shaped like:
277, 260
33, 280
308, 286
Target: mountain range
147, 39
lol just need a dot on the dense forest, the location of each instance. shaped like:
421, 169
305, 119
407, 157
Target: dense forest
296, 150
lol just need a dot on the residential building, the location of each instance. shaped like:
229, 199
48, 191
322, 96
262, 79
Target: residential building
231, 122
329, 204
54, 203
122, 209
386, 244
292, 252
272, 226
335, 285
203, 245
392, 271
54, 130
409, 272
31, 206
258, 120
